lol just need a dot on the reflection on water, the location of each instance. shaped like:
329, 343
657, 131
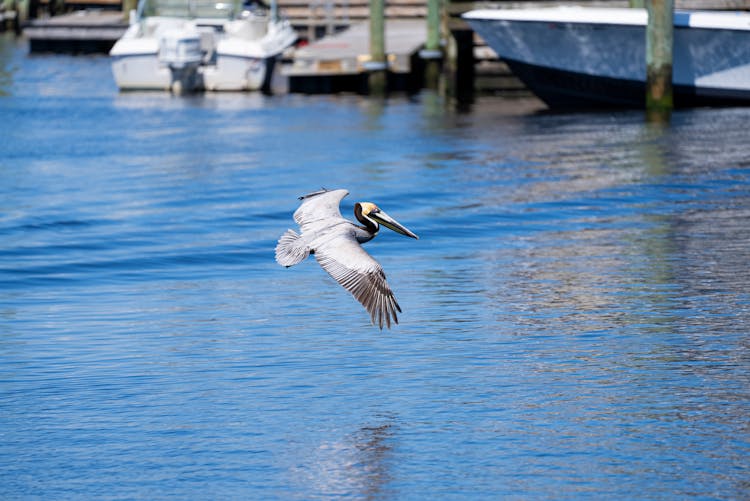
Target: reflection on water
574, 318
356, 465
6, 66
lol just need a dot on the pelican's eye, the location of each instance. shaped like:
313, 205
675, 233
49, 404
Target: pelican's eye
374, 210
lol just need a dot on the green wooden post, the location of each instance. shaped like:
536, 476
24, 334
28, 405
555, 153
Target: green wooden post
22, 11
433, 25
377, 78
659, 42
432, 53
127, 6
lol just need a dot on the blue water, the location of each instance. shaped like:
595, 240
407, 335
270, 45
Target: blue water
575, 313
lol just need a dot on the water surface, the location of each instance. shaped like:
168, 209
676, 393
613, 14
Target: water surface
574, 314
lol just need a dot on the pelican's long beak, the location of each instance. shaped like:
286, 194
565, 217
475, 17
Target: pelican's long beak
387, 221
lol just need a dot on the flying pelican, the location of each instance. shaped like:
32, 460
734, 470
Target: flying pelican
335, 241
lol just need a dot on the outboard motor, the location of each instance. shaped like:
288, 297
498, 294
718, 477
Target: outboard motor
180, 50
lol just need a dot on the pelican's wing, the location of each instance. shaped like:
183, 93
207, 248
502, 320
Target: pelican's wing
319, 209
348, 263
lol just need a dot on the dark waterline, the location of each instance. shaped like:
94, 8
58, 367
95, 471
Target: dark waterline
575, 311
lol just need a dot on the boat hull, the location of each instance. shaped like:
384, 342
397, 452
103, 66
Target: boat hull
229, 73
141, 72
567, 89
233, 73
187, 55
569, 62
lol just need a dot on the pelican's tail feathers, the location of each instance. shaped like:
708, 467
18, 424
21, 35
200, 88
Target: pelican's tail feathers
291, 249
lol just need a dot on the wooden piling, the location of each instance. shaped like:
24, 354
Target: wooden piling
377, 78
431, 53
23, 8
127, 6
459, 67
433, 26
659, 44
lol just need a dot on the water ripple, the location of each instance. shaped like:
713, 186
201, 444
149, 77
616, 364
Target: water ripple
573, 314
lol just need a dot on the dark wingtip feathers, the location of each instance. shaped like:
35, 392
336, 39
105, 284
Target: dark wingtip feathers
309, 195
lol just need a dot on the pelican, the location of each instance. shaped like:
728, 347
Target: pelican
335, 242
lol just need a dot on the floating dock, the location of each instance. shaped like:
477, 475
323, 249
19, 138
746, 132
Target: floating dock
83, 31
338, 63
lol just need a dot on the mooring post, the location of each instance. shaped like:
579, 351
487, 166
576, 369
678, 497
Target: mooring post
659, 42
376, 66
431, 53
22, 11
460, 66
127, 7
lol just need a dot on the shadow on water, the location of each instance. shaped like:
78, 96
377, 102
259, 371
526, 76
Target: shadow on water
357, 465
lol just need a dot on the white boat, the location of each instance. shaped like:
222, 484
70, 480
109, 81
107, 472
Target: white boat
189, 45
594, 57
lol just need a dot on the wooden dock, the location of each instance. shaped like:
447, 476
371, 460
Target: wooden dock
314, 19
339, 62
83, 31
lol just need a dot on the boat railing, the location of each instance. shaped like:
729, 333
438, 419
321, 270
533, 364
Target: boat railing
189, 9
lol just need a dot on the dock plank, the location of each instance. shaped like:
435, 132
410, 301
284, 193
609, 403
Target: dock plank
336, 63
80, 31
347, 51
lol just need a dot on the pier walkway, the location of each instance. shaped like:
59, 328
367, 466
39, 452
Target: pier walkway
83, 31
339, 62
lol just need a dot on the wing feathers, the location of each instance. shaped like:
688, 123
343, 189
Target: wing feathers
365, 281
319, 209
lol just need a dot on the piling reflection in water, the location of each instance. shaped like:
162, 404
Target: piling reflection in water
6, 56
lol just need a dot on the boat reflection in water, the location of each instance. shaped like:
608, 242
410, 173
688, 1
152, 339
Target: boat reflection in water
589, 57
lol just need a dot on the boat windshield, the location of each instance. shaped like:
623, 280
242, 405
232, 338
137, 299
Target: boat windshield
189, 9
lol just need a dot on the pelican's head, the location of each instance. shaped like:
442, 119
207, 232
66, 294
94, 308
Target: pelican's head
372, 216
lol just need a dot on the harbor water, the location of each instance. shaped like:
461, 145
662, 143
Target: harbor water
575, 317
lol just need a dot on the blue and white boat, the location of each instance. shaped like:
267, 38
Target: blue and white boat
188, 45
596, 57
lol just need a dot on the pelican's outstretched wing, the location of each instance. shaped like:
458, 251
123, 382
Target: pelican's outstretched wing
348, 263
319, 209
